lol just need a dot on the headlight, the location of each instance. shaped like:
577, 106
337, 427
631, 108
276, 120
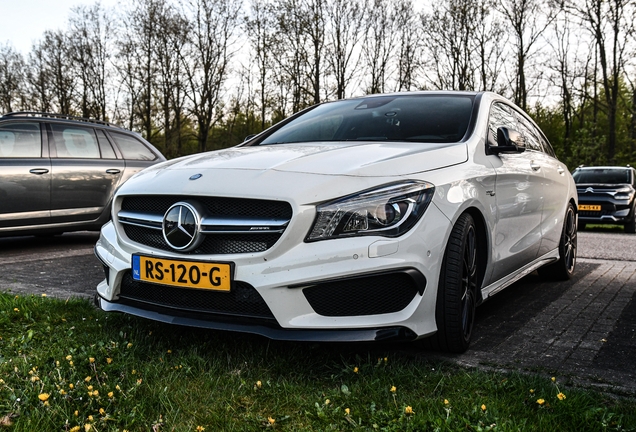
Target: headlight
389, 211
625, 193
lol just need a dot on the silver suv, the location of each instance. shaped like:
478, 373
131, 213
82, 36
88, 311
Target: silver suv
58, 173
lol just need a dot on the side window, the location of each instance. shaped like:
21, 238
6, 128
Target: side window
75, 142
528, 130
104, 145
500, 116
132, 148
547, 147
20, 140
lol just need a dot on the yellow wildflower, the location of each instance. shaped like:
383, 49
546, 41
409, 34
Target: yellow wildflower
62, 392
347, 411
139, 381
71, 386
531, 391
90, 387
169, 351
117, 387
259, 384
327, 402
200, 428
483, 407
393, 389
386, 359
408, 410
35, 378
76, 413
43, 294
87, 427
553, 379
101, 411
446, 402
110, 394
271, 420
95, 393
74, 429
356, 370
43, 397
70, 363
90, 418
561, 396
134, 371
16, 310
69, 357
109, 360
540, 401
87, 379
91, 359
129, 345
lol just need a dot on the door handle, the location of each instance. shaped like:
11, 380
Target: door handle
535, 166
113, 171
38, 171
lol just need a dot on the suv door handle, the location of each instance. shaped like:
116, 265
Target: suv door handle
113, 171
535, 166
39, 171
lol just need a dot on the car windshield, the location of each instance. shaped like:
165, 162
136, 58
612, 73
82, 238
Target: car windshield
602, 176
412, 118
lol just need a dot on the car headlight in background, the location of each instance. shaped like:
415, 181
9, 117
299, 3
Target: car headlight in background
625, 193
389, 211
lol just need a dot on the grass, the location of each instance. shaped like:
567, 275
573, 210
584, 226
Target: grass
65, 366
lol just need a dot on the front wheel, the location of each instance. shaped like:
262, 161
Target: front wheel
563, 269
457, 290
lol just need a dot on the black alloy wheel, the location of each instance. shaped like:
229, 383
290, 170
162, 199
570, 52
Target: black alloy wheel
563, 269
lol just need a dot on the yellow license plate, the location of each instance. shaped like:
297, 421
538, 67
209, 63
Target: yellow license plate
180, 273
587, 207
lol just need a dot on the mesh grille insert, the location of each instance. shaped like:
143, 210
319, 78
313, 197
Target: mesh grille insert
242, 301
367, 295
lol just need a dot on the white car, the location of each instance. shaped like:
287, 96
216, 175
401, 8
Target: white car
386, 217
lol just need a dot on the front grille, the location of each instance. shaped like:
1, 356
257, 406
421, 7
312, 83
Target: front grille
217, 206
242, 301
216, 243
213, 244
366, 295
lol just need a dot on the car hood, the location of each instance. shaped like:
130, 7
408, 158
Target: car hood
348, 159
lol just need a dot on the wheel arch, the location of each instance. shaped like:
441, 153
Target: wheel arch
483, 245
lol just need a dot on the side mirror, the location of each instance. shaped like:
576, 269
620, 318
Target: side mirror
508, 141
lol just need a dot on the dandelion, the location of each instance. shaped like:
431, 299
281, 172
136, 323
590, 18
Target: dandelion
531, 391
483, 407
74, 429
200, 428
169, 351
87, 427
117, 387
393, 389
134, 371
90, 387
540, 401
87, 379
101, 411
446, 402
110, 394
62, 392
43, 397
43, 294
76, 413
71, 386
271, 420
70, 363
386, 359
347, 411
109, 360
35, 378
356, 370
561, 396
16, 310
553, 379
129, 345
327, 401
90, 418
139, 381
408, 410
91, 359
259, 384
95, 393
69, 357
57, 363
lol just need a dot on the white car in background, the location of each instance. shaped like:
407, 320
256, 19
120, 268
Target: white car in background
385, 217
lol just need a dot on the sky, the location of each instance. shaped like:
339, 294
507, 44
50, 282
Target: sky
23, 22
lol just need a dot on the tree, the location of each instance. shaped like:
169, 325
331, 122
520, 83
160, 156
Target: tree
12, 79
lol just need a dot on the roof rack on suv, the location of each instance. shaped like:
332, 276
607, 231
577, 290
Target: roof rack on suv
58, 116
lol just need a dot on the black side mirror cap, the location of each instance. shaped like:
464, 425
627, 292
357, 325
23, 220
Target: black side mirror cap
508, 141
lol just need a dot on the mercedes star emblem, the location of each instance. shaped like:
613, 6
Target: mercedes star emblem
181, 225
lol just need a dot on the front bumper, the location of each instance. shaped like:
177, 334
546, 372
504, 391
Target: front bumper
283, 276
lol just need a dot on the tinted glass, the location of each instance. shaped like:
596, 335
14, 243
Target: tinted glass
413, 118
602, 176
20, 140
529, 133
75, 142
104, 145
500, 116
132, 148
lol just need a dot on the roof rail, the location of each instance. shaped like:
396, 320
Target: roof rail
58, 116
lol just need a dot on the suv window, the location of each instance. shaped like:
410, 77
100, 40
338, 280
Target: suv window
104, 145
75, 142
132, 148
602, 176
20, 140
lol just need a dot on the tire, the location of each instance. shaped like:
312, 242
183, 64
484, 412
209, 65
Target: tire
563, 269
457, 290
630, 225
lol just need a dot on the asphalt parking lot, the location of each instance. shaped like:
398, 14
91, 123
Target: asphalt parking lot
583, 330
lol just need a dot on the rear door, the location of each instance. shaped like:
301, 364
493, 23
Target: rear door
85, 173
136, 154
25, 175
